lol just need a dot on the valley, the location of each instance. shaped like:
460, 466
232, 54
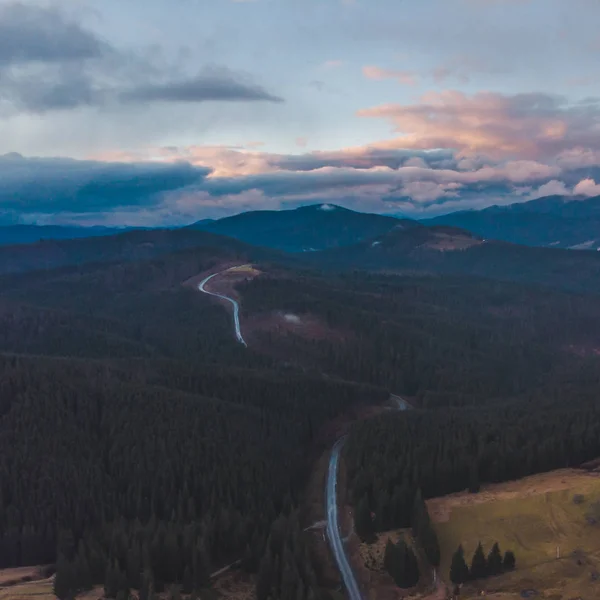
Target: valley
241, 367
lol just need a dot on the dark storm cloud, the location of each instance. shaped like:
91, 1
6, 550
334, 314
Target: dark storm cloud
62, 89
212, 86
34, 33
53, 185
49, 62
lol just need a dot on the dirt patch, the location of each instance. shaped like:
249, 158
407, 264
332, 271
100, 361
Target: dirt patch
9, 577
235, 586
564, 479
305, 325
445, 242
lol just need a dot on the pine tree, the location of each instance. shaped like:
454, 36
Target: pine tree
363, 522
187, 585
147, 585
112, 581
494, 560
474, 484
424, 532
459, 571
410, 566
479, 567
264, 581
64, 583
388, 556
401, 563
509, 562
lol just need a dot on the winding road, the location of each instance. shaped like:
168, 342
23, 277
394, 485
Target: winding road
333, 531
236, 306
333, 526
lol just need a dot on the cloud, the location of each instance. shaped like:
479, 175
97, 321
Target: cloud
378, 74
533, 125
587, 187
576, 158
213, 85
32, 33
60, 185
301, 141
552, 188
422, 191
48, 62
332, 64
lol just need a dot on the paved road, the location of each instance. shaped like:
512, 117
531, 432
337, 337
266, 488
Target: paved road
333, 530
236, 306
333, 526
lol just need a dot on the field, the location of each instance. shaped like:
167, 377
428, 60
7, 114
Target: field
550, 521
37, 590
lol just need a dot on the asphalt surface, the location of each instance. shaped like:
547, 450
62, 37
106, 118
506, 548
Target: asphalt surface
236, 307
333, 531
333, 525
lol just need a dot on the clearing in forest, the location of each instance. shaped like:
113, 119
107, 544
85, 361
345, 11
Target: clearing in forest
538, 518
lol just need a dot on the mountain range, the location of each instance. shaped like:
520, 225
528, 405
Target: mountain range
555, 221
304, 229
561, 221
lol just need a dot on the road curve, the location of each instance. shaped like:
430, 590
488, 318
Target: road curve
333, 531
236, 306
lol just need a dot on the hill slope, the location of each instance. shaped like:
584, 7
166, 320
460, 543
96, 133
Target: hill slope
304, 229
558, 221
29, 234
446, 250
130, 246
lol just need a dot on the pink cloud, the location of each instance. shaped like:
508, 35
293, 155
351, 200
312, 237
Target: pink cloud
422, 191
587, 187
301, 141
379, 74
552, 188
493, 124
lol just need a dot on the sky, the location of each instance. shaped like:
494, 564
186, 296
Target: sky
163, 112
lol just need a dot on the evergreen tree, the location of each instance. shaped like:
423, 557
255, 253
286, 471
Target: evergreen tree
474, 484
410, 566
423, 530
64, 579
479, 566
112, 581
388, 556
187, 584
459, 571
494, 560
147, 586
363, 522
401, 563
509, 562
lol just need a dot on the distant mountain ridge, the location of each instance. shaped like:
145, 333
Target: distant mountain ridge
445, 250
554, 221
305, 229
11, 235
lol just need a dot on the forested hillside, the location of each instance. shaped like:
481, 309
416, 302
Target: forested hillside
451, 251
141, 445
446, 341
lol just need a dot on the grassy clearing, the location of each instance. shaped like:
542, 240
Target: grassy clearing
41, 590
246, 269
532, 517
